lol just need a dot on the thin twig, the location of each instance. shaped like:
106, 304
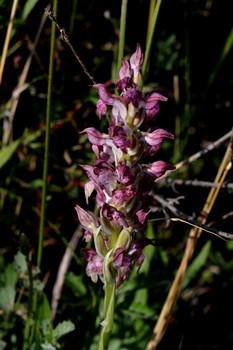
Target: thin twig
194, 183
66, 39
180, 216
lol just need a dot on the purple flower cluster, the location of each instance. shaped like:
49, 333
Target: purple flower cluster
121, 181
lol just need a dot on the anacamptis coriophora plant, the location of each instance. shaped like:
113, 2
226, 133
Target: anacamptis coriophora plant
122, 182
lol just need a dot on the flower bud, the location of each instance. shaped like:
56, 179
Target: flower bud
87, 219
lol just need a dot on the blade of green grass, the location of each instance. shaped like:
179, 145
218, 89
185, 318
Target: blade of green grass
226, 49
7, 152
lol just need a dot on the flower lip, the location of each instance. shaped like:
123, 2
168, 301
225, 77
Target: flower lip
125, 84
95, 264
101, 108
121, 197
120, 139
133, 96
116, 217
124, 174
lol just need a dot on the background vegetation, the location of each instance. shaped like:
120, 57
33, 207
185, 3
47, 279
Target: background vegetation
191, 63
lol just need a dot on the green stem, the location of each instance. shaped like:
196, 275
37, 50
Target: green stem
45, 167
29, 326
150, 17
47, 139
109, 307
73, 16
109, 301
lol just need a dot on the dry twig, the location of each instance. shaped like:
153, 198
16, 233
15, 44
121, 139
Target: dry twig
194, 183
180, 216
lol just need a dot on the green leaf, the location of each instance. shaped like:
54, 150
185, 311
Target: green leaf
141, 309
197, 264
141, 296
20, 263
3, 345
48, 346
7, 298
149, 251
47, 328
36, 184
11, 276
44, 311
229, 245
226, 49
28, 7
7, 152
63, 328
75, 283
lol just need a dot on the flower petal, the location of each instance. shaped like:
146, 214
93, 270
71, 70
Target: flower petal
95, 137
152, 104
112, 100
124, 174
157, 136
136, 60
116, 217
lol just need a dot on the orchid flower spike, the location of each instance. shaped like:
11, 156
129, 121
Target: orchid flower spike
119, 178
